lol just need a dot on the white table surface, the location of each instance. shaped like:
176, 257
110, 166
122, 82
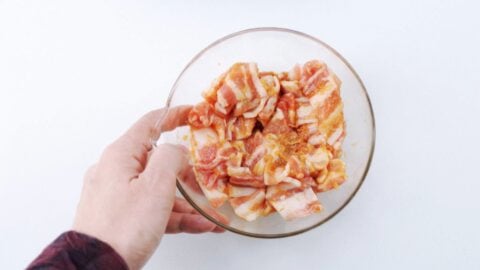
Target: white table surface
75, 74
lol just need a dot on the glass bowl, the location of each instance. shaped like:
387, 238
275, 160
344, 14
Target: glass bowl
278, 49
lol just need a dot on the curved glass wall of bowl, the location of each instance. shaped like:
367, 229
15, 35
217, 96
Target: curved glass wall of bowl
278, 49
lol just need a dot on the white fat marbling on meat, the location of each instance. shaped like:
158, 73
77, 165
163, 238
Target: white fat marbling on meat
249, 210
216, 196
304, 110
296, 205
256, 81
239, 95
316, 139
204, 136
238, 171
257, 110
238, 191
318, 159
319, 98
335, 136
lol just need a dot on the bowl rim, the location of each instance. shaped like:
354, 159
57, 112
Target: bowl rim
371, 152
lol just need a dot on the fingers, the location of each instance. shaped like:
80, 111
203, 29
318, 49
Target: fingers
219, 217
182, 206
188, 179
153, 123
128, 155
175, 117
218, 229
189, 223
165, 163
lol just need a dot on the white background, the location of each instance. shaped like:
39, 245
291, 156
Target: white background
75, 74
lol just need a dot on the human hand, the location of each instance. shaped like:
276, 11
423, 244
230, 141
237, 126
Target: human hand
128, 197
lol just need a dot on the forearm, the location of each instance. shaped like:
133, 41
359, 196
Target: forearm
73, 250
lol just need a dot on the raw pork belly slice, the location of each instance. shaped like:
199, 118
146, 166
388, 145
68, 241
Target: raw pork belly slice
292, 202
248, 203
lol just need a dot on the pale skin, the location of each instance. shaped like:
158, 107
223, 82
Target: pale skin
128, 197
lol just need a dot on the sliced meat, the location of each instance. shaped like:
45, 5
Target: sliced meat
295, 74
315, 82
201, 115
330, 126
240, 128
288, 106
216, 194
204, 144
318, 159
235, 191
210, 94
257, 109
267, 141
278, 124
245, 107
272, 87
268, 110
291, 87
225, 100
241, 91
292, 202
250, 207
335, 176
243, 176
305, 112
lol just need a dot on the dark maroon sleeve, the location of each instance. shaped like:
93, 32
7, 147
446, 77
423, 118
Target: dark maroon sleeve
73, 250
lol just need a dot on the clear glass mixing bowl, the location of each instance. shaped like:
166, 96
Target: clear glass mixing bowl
278, 49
